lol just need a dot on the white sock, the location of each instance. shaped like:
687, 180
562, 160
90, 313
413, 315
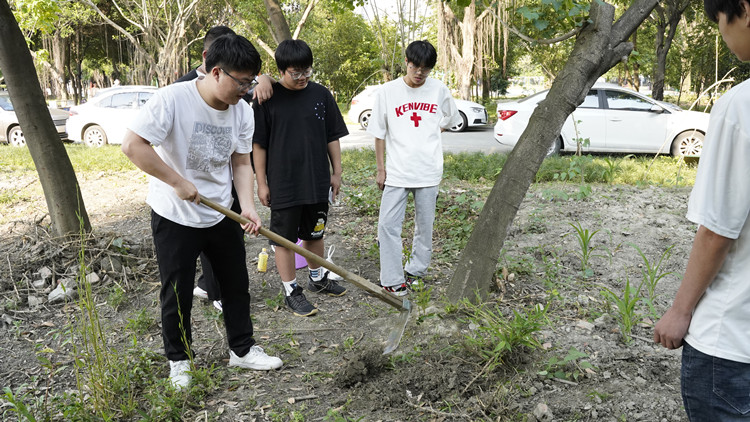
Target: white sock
289, 286
316, 274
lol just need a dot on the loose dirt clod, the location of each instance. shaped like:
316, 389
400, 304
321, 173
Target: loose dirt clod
362, 367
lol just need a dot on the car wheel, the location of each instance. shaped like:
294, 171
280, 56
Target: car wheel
461, 126
364, 118
94, 136
688, 143
16, 138
555, 148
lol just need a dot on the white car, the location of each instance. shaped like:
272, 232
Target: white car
613, 119
105, 118
472, 114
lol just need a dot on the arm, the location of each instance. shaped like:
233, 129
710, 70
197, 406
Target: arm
334, 155
259, 161
380, 160
142, 154
264, 90
243, 184
706, 258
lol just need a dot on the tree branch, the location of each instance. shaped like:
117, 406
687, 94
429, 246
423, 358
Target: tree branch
526, 38
304, 18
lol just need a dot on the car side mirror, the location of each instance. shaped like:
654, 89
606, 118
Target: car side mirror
656, 109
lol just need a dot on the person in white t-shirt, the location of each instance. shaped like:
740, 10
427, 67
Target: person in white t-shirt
710, 316
192, 138
408, 117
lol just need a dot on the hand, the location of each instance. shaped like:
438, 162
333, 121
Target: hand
380, 179
671, 328
335, 186
255, 224
187, 191
264, 90
264, 195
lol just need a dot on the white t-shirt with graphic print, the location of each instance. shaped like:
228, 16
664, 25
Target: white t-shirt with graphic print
197, 141
410, 121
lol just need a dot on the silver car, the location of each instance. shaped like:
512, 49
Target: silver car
105, 117
10, 130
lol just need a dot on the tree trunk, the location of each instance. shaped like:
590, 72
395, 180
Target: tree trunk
599, 46
279, 26
56, 174
60, 57
670, 14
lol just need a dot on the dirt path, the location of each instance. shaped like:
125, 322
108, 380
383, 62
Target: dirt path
332, 362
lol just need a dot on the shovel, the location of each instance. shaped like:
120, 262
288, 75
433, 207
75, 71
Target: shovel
404, 306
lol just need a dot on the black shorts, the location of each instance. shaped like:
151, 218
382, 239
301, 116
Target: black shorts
306, 222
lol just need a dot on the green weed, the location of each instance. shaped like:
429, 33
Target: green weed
569, 367
496, 335
652, 273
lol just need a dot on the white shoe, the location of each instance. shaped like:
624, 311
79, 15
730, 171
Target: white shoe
218, 305
200, 293
179, 374
256, 358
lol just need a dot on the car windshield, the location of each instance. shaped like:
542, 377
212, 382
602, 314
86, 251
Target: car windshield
5, 103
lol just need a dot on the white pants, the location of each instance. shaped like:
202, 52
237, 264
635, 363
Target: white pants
392, 209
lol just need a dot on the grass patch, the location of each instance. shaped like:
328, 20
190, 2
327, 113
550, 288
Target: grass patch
108, 158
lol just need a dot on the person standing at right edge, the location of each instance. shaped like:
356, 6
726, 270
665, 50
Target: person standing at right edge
407, 120
710, 316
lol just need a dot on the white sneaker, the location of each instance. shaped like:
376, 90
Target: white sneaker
218, 305
179, 374
200, 293
256, 358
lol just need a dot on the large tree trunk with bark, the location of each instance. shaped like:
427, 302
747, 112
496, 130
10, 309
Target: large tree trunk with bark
279, 26
669, 15
56, 173
599, 46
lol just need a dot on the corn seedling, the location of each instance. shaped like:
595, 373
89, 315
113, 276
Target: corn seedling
586, 250
422, 298
652, 273
627, 317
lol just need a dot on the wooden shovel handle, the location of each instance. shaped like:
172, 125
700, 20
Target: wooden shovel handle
349, 276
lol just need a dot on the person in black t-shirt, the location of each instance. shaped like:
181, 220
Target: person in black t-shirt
297, 159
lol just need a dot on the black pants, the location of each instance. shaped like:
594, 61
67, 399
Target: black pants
177, 248
207, 280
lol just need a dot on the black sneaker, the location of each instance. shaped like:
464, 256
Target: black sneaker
297, 302
325, 285
398, 290
414, 282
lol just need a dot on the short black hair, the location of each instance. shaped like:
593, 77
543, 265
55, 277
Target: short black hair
233, 53
293, 53
731, 8
421, 54
214, 33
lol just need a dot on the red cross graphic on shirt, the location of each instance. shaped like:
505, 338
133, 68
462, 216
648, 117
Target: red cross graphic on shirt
415, 119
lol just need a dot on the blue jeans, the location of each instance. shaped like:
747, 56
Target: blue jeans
714, 389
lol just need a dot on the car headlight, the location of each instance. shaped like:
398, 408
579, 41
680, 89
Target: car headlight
477, 109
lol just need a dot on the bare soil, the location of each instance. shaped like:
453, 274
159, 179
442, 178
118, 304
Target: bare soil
334, 361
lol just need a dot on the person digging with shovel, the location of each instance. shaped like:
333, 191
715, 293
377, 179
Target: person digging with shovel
194, 137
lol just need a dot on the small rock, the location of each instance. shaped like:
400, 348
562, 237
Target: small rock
585, 325
542, 412
640, 381
39, 284
65, 289
92, 278
45, 273
34, 301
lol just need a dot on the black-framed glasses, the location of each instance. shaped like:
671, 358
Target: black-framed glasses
421, 70
296, 75
241, 85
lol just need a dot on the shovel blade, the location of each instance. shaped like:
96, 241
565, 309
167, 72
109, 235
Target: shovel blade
394, 337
